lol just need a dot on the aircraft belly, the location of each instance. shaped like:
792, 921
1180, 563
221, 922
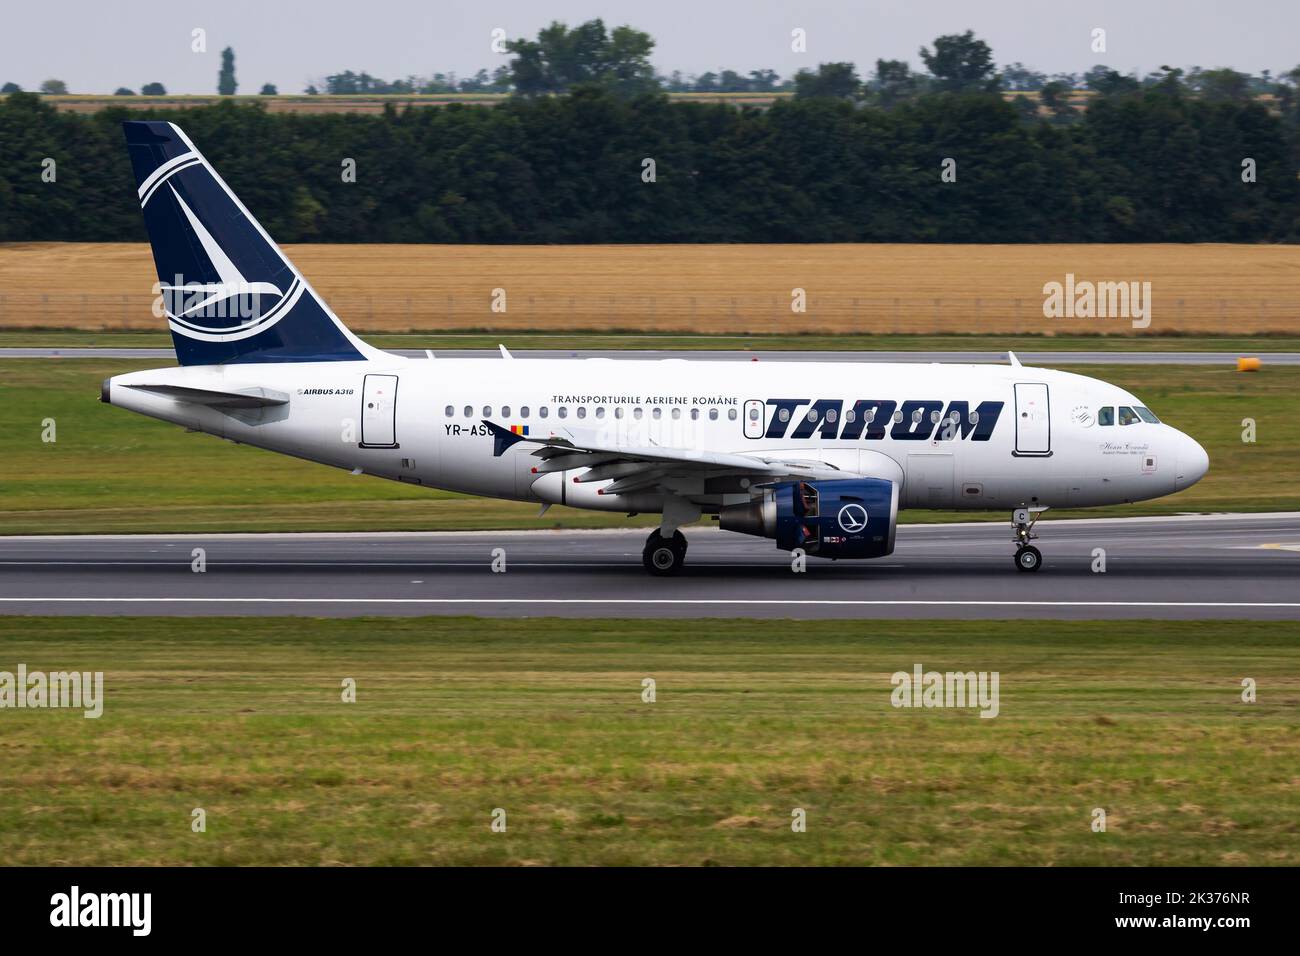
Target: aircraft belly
467, 464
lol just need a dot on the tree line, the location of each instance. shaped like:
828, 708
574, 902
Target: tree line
562, 58
1151, 165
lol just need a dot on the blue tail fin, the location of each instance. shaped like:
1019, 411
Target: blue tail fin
230, 294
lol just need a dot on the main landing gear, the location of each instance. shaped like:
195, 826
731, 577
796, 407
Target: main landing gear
664, 556
1028, 558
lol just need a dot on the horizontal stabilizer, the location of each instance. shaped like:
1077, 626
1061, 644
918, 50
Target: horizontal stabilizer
256, 397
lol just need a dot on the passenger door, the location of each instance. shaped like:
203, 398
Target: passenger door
1033, 420
379, 412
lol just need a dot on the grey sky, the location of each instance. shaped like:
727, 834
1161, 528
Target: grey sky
97, 45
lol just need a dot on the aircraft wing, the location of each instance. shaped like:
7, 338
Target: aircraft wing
642, 467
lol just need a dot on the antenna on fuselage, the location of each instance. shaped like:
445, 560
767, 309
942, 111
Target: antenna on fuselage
1011, 357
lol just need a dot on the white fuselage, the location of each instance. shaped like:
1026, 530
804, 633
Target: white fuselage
421, 421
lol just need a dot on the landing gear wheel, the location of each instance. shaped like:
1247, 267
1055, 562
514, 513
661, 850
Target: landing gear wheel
1029, 558
662, 556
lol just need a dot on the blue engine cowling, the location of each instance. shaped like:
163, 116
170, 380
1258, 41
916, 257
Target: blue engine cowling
840, 518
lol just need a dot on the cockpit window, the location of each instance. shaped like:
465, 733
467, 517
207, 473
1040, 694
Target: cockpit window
1106, 416
1146, 415
1127, 416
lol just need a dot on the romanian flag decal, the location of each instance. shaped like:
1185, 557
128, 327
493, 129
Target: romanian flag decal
519, 429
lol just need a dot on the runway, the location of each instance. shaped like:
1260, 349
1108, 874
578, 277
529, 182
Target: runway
1028, 358
1228, 567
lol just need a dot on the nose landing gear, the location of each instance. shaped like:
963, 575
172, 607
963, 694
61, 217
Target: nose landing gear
1028, 558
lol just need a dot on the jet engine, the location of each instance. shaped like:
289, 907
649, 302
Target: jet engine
839, 518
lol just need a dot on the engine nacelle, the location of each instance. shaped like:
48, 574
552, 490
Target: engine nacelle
840, 518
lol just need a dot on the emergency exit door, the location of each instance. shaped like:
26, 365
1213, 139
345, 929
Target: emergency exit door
1033, 420
754, 418
379, 412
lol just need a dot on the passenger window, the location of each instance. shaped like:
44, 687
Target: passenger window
812, 414
831, 415
1106, 416
562, 411
784, 414
656, 412
600, 412
523, 412
618, 412
973, 418
898, 417
582, 411
713, 414
638, 412
677, 413
695, 414
850, 416
1127, 416
1146, 415
505, 411
469, 412
934, 417
543, 412
487, 411
450, 411
731, 414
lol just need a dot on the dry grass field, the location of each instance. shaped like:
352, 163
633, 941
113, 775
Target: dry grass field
1205, 289
377, 102
336, 103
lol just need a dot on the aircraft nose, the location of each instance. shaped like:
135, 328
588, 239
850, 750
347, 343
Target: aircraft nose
1192, 462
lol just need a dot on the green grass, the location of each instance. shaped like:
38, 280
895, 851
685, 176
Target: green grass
544, 718
579, 340
114, 471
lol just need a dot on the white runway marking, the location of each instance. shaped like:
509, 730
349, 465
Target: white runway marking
183, 561
768, 602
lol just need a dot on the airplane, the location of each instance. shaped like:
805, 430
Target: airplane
819, 457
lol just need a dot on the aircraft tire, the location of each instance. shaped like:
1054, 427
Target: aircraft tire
664, 557
1029, 558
